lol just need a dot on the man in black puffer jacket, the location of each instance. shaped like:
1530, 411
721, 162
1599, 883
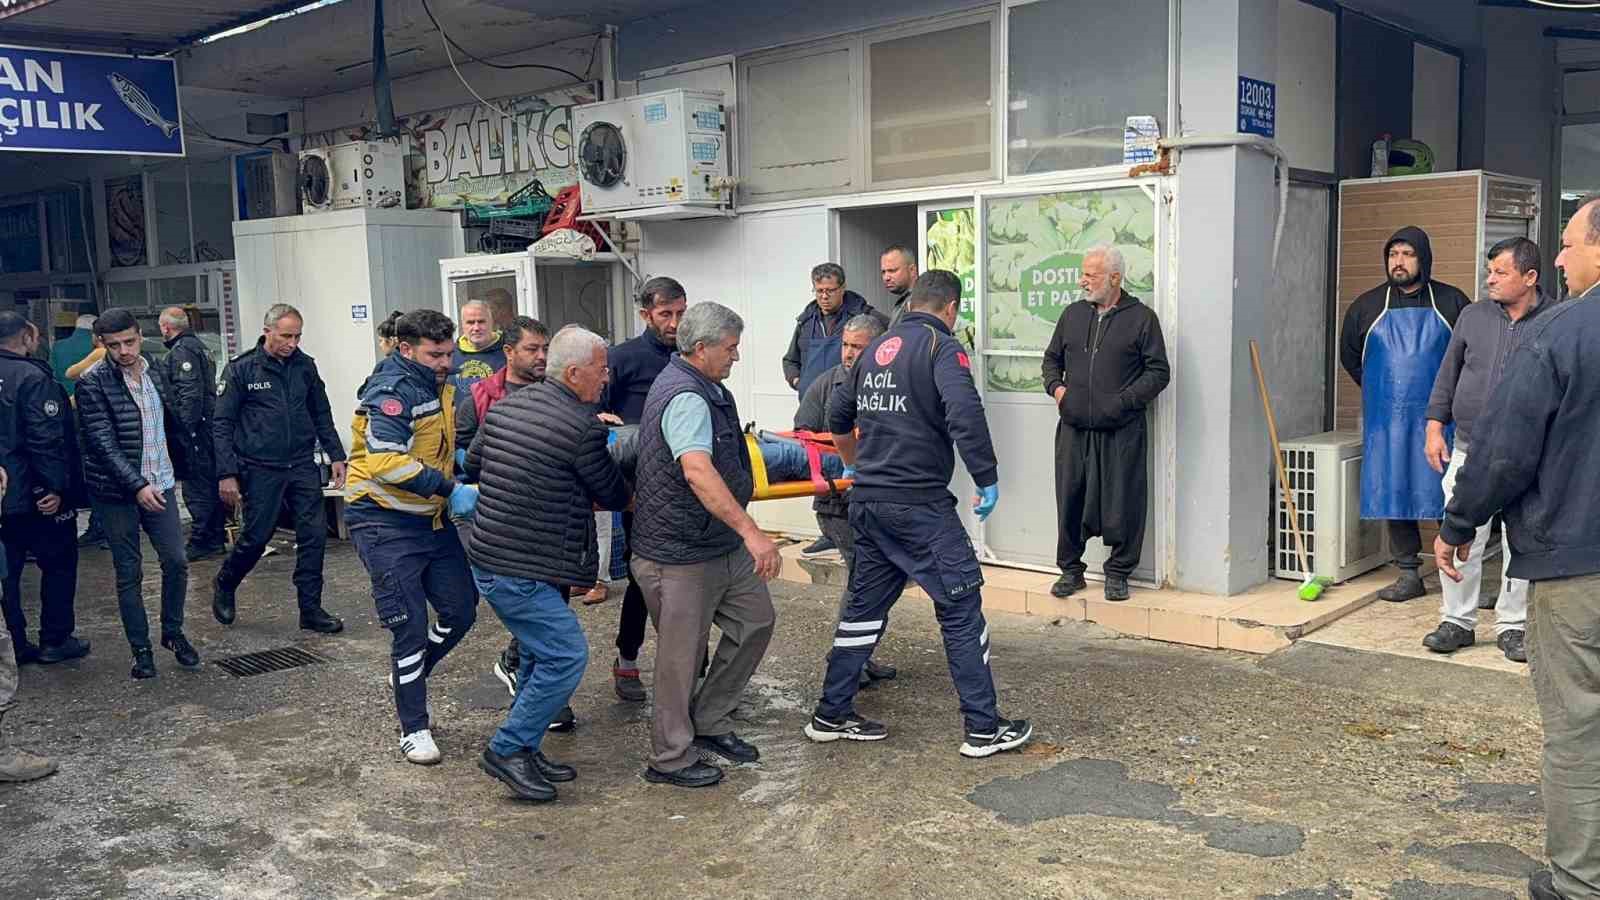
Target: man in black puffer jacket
541, 465
190, 382
1105, 365
39, 450
132, 470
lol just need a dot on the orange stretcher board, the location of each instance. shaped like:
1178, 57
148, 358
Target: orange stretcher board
783, 490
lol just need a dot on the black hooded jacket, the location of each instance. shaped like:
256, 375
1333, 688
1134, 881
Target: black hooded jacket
1364, 313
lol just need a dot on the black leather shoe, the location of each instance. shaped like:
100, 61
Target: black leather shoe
26, 653
1514, 645
1448, 638
1116, 588
1541, 886
317, 619
1408, 586
518, 775
729, 747
182, 649
695, 775
222, 601
144, 664
71, 648
1067, 585
551, 771
881, 671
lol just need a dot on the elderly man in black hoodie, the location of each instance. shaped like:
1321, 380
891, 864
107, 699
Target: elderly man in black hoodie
1106, 363
1393, 341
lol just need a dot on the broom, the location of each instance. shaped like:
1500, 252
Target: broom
1312, 587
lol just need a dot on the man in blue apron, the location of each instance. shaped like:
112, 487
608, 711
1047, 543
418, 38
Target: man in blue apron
1393, 340
819, 329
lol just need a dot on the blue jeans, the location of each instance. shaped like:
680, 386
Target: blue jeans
554, 654
786, 461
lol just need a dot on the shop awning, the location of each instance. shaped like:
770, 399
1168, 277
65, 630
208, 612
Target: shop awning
139, 26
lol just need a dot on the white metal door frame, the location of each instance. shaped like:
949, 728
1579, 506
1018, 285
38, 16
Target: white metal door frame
496, 265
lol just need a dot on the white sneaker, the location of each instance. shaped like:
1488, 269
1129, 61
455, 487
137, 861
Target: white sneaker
419, 748
426, 704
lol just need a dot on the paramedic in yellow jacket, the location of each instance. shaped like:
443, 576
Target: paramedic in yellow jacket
400, 500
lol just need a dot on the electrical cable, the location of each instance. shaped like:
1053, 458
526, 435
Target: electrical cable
222, 140
468, 53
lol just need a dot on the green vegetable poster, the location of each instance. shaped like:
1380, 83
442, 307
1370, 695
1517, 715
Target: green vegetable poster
952, 244
1033, 258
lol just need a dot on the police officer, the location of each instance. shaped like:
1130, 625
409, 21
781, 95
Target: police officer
39, 451
190, 378
272, 413
910, 395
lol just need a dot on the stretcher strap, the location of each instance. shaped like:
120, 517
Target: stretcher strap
814, 457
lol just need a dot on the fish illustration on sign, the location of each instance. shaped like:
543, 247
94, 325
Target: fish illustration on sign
137, 101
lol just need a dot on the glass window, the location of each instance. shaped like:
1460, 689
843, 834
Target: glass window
125, 222
21, 250
919, 133
499, 291
171, 185
127, 293
1077, 72
211, 203
69, 252
174, 292
575, 295
799, 126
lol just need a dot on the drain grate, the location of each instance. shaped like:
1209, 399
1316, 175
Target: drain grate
263, 661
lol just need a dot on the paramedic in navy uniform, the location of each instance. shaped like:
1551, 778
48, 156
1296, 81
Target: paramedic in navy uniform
909, 396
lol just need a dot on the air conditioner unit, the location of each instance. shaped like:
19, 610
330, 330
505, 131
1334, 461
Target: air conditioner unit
1324, 472
367, 174
663, 149
266, 184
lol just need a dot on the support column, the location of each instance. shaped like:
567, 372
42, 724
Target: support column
1227, 208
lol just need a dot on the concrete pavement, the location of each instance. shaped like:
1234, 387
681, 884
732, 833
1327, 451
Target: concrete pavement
1156, 771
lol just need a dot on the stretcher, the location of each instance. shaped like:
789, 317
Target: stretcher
819, 485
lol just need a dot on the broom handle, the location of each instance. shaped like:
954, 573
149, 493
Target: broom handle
1277, 461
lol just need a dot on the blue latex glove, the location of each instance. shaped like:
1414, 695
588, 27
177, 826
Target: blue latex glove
986, 500
461, 459
463, 501
849, 472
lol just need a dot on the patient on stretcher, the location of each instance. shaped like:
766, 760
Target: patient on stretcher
786, 458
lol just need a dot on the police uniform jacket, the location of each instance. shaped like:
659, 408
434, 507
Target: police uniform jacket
272, 413
190, 380
113, 434
911, 395
402, 448
38, 441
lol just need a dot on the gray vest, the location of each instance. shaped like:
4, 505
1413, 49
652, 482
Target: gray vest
670, 526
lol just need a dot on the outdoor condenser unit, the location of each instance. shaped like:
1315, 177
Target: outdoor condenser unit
1324, 472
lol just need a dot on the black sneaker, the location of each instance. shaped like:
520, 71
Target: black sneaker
69, 649
694, 775
1408, 586
182, 649
1008, 735
820, 547
1514, 645
880, 671
144, 664
1448, 638
850, 728
507, 667
1116, 588
26, 653
1067, 585
728, 746
566, 721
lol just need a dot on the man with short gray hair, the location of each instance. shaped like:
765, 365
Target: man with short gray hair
697, 555
1105, 365
190, 378
271, 415
818, 330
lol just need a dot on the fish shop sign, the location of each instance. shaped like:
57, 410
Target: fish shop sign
59, 101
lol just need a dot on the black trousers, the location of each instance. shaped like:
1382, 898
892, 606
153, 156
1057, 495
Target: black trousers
1405, 542
1102, 485
209, 517
630, 630
54, 543
265, 492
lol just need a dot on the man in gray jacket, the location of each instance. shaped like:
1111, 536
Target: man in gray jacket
1480, 346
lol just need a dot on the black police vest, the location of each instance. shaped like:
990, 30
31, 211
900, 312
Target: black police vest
670, 526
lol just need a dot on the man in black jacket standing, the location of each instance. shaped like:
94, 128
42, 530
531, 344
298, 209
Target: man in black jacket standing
39, 450
814, 348
190, 378
271, 416
541, 464
1105, 365
634, 365
1392, 343
1533, 457
132, 470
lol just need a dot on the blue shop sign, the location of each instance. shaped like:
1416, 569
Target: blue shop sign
61, 101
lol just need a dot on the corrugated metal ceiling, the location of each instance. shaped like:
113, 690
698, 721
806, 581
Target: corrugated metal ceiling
138, 25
